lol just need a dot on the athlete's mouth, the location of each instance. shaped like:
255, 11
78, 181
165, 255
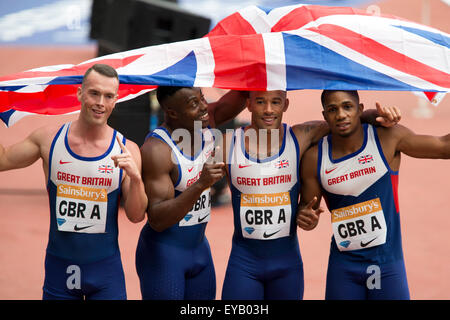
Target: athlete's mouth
269, 120
99, 112
204, 117
343, 125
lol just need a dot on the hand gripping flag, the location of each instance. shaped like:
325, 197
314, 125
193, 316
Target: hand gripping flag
286, 48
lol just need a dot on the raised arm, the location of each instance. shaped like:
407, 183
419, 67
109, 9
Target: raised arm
164, 209
309, 211
227, 107
417, 145
382, 116
133, 192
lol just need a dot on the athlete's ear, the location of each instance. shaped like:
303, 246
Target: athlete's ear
79, 89
361, 107
247, 104
286, 105
172, 113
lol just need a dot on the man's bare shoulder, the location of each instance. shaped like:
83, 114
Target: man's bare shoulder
156, 152
45, 135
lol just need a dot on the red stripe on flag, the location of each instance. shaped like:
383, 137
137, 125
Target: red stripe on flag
54, 99
240, 62
233, 24
383, 54
430, 95
77, 70
301, 16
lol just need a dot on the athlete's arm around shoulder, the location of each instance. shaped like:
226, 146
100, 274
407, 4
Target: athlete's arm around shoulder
311, 193
309, 133
227, 107
26, 152
402, 139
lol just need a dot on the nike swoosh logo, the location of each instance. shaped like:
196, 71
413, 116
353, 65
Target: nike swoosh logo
329, 171
189, 170
244, 166
202, 218
64, 162
77, 228
365, 244
265, 235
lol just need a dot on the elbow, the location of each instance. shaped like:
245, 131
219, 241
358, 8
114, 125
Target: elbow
155, 223
136, 218
158, 227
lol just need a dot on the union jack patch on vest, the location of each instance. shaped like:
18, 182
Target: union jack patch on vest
365, 159
282, 164
105, 169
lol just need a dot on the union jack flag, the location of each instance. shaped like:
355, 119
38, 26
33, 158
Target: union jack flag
105, 169
365, 159
282, 164
287, 48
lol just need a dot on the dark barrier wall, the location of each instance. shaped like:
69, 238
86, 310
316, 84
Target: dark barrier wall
120, 25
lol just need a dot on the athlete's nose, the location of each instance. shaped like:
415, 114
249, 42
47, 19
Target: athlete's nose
101, 100
203, 105
340, 114
268, 108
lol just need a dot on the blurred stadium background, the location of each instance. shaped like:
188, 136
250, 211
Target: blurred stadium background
36, 33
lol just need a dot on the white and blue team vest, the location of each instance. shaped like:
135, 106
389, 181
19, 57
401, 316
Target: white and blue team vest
190, 230
264, 191
361, 193
84, 196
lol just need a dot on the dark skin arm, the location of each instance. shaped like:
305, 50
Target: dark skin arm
227, 107
311, 192
309, 133
399, 139
159, 175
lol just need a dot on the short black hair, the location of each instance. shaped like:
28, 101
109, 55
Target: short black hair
164, 92
103, 69
325, 94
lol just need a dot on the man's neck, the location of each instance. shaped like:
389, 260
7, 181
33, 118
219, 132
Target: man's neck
345, 145
90, 132
268, 141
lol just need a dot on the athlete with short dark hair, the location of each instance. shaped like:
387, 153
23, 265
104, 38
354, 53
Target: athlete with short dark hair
356, 168
173, 257
263, 163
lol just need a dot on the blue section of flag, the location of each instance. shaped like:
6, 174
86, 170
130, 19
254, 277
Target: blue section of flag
11, 88
5, 116
302, 64
432, 36
181, 73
